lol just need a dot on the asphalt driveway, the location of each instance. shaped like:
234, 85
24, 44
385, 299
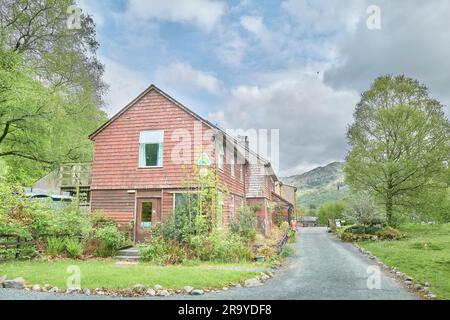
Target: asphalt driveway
321, 268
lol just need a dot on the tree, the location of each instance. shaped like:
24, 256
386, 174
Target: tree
331, 210
361, 209
400, 144
40, 127
61, 56
50, 87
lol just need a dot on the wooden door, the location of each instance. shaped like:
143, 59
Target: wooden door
148, 214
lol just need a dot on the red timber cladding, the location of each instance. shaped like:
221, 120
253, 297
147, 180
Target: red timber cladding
116, 151
117, 204
116, 155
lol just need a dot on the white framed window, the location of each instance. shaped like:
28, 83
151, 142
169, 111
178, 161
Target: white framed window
184, 198
232, 208
151, 148
220, 153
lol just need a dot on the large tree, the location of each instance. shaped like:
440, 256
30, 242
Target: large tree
400, 144
61, 56
50, 86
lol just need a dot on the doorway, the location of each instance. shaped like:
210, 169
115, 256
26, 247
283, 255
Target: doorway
148, 214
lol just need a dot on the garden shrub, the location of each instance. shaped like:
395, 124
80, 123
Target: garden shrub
160, 251
108, 239
71, 221
389, 233
246, 223
73, 247
287, 251
55, 246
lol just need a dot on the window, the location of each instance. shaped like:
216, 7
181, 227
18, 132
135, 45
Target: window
146, 218
220, 153
151, 149
187, 199
232, 162
232, 212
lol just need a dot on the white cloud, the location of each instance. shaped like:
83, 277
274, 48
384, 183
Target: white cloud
253, 24
204, 14
413, 40
312, 117
182, 76
124, 85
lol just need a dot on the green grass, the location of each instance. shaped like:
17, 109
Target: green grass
107, 274
423, 255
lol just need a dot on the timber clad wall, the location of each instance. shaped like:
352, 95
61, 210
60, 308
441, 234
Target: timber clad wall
116, 152
119, 204
118, 182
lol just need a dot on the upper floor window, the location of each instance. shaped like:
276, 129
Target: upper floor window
151, 148
220, 153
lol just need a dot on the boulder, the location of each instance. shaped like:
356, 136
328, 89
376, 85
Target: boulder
17, 283
54, 290
36, 288
73, 290
264, 277
250, 283
151, 292
197, 292
188, 289
138, 288
46, 287
163, 293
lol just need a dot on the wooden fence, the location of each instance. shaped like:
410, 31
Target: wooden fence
21, 245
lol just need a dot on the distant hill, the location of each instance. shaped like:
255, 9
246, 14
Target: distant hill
320, 185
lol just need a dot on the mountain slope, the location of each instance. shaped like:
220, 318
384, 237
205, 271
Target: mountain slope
320, 185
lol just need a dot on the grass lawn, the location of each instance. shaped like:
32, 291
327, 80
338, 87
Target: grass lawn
423, 255
107, 274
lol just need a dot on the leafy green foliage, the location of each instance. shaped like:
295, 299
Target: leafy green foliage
55, 246
73, 247
246, 222
400, 144
109, 239
331, 211
361, 209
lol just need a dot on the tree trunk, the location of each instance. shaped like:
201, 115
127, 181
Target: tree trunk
389, 206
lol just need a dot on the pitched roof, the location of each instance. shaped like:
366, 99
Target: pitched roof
152, 87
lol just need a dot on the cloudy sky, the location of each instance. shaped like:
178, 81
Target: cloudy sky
294, 65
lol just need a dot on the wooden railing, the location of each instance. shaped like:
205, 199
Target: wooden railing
20, 244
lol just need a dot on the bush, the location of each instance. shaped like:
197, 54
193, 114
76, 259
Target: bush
389, 233
246, 223
71, 221
160, 251
73, 247
287, 251
107, 240
55, 246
